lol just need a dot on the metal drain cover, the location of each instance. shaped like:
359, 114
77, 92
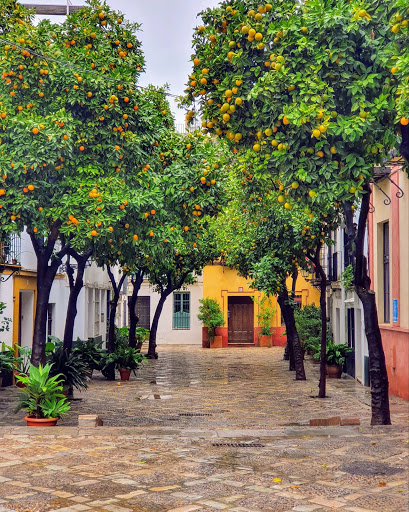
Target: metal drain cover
240, 445
194, 414
370, 468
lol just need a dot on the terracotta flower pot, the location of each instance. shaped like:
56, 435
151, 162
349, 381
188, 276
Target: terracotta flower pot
125, 373
18, 383
265, 340
334, 371
41, 422
216, 342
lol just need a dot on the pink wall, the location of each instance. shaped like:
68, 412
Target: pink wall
395, 342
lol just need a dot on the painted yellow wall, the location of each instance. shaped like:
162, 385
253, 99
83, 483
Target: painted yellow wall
23, 281
220, 282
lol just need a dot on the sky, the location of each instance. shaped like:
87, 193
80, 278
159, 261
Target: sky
167, 27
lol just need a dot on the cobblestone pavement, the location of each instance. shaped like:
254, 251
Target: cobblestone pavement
208, 430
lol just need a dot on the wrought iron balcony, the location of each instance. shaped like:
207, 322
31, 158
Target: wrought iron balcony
10, 252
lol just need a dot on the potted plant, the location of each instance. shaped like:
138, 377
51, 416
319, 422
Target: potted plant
127, 360
336, 355
73, 370
42, 397
7, 361
265, 316
22, 363
212, 317
90, 352
141, 335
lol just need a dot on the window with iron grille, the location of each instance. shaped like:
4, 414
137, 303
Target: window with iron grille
386, 287
181, 310
143, 311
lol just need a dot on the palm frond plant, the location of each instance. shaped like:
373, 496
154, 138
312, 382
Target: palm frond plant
72, 368
90, 352
42, 395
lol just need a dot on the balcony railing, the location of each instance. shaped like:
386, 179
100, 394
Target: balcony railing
10, 250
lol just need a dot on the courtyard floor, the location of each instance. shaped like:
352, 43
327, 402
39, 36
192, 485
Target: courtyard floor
208, 430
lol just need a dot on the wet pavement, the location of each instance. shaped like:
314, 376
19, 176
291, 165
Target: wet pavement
209, 430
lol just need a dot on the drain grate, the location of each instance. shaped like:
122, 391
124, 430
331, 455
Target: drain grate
370, 469
240, 445
194, 414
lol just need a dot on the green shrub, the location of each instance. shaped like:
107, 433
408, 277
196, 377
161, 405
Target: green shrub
308, 322
265, 315
42, 395
210, 315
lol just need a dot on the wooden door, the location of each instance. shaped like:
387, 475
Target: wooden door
241, 320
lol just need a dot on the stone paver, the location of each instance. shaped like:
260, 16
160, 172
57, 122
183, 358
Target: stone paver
184, 453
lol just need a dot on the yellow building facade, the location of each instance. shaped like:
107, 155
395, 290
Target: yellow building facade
241, 305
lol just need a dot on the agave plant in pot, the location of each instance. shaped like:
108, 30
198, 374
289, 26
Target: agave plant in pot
42, 397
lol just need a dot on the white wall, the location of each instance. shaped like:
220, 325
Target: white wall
28, 259
339, 302
166, 335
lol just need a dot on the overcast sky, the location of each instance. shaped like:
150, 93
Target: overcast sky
167, 33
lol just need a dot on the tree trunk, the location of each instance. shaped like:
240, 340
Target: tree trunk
133, 319
323, 307
45, 278
46, 271
154, 327
75, 289
289, 350
377, 366
292, 336
113, 305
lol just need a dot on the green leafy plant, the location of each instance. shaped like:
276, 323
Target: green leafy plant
73, 370
336, 354
42, 395
121, 337
308, 321
347, 278
128, 358
125, 357
265, 315
141, 335
90, 352
23, 359
211, 315
7, 361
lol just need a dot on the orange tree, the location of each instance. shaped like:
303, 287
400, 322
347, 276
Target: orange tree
397, 60
69, 113
305, 91
193, 176
165, 236
269, 244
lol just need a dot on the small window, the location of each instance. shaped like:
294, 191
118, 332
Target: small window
181, 310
